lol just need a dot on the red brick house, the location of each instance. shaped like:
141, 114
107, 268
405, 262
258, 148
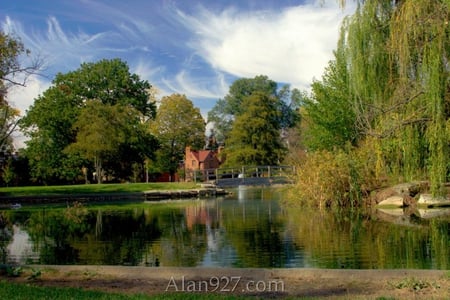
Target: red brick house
203, 161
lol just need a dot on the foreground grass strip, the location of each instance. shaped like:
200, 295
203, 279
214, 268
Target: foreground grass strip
15, 291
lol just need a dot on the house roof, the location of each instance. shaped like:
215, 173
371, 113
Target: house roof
201, 155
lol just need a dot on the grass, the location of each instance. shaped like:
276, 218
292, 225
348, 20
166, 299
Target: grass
25, 291
93, 188
15, 291
415, 284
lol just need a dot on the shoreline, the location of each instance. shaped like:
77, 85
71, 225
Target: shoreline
273, 283
151, 195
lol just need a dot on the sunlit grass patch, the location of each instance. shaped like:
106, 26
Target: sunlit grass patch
93, 188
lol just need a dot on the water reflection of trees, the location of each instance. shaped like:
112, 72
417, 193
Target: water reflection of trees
257, 234
345, 240
6, 233
250, 231
132, 236
180, 244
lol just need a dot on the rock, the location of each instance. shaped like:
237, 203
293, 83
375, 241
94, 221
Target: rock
406, 191
430, 201
396, 201
208, 185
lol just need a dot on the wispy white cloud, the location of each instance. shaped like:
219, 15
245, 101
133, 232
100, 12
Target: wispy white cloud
195, 54
61, 51
22, 97
184, 83
291, 46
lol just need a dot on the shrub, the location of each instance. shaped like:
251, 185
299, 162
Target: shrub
340, 178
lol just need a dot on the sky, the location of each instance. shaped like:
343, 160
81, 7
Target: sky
192, 47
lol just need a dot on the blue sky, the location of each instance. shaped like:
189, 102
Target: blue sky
196, 47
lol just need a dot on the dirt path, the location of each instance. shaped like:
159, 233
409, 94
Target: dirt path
273, 283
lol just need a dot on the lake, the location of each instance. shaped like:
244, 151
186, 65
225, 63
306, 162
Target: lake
249, 228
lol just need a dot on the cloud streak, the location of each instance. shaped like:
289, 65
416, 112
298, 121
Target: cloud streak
291, 46
192, 49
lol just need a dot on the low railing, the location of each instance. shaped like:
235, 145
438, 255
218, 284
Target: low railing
213, 175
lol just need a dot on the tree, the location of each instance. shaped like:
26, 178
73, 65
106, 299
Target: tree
255, 137
12, 73
101, 130
329, 114
8, 172
225, 111
388, 90
177, 124
9, 119
50, 120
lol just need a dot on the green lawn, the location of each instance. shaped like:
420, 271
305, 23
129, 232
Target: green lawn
14, 291
94, 188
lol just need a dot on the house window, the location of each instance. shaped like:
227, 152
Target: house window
193, 163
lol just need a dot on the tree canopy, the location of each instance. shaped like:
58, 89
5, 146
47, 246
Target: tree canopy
251, 119
255, 136
177, 124
225, 111
54, 121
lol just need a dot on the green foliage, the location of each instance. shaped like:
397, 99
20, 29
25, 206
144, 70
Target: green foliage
388, 90
102, 130
177, 124
54, 120
9, 118
226, 110
8, 172
255, 136
14, 271
329, 114
252, 118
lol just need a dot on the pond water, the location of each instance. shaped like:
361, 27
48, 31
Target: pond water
250, 228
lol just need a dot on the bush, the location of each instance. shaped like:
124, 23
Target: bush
335, 179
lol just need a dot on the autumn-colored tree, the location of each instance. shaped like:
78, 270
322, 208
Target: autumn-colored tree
177, 124
13, 72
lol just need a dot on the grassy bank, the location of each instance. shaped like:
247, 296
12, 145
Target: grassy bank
93, 189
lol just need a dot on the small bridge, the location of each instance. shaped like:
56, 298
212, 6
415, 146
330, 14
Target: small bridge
245, 175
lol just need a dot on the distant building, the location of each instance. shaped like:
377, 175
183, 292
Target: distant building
200, 165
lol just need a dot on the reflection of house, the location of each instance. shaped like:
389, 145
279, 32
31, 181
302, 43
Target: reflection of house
200, 163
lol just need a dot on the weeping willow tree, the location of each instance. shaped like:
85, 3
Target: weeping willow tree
394, 56
398, 63
421, 44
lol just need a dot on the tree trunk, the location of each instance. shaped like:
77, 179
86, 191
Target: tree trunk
98, 169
